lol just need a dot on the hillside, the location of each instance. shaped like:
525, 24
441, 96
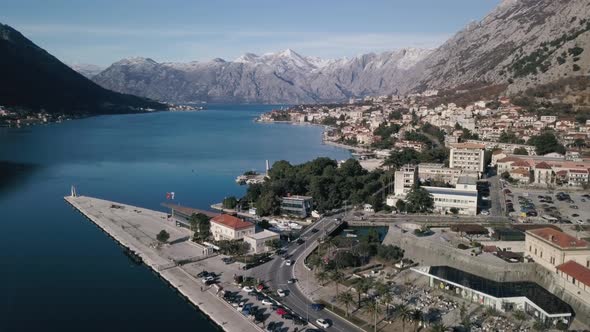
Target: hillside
31, 78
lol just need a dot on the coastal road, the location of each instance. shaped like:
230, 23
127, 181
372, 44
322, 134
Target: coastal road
277, 275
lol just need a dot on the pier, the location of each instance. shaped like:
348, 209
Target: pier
136, 228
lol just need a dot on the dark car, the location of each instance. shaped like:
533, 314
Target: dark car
202, 274
314, 230
300, 241
272, 326
532, 213
299, 321
288, 316
316, 306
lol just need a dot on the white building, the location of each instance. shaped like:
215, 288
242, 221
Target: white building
467, 156
463, 197
405, 179
258, 241
226, 227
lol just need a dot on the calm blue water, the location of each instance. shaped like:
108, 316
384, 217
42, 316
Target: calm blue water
58, 271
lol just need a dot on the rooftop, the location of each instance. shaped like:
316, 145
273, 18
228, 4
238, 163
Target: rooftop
189, 211
231, 221
466, 179
264, 234
450, 191
468, 146
560, 239
298, 197
577, 271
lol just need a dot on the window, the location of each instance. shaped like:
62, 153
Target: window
573, 280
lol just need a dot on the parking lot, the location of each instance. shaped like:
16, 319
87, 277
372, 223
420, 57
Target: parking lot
535, 205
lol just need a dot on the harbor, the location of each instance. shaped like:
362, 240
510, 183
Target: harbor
136, 230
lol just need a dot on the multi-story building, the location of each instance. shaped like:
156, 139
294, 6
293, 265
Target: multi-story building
405, 178
463, 197
438, 172
298, 206
467, 156
258, 241
226, 227
550, 248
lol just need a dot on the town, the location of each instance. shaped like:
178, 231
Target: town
443, 221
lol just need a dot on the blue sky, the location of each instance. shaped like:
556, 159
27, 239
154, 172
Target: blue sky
101, 32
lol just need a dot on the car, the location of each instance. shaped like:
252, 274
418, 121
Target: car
260, 297
316, 306
281, 311
532, 213
575, 207
314, 230
281, 293
289, 262
338, 219
207, 278
253, 293
323, 323
248, 289
267, 302
575, 215
246, 309
202, 274
300, 241
583, 200
241, 305
227, 260
275, 307
210, 282
292, 281
485, 212
271, 327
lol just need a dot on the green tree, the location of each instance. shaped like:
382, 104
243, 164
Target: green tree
362, 286
439, 327
346, 299
520, 151
579, 143
454, 210
274, 244
373, 309
397, 159
510, 137
405, 314
417, 318
401, 205
546, 142
163, 236
387, 298
230, 202
336, 277
322, 276
200, 225
419, 200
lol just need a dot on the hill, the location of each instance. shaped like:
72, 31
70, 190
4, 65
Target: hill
33, 79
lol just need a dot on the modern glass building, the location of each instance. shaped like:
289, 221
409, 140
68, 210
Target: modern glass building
298, 206
502, 296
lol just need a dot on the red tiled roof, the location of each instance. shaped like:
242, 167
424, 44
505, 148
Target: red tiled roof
577, 271
543, 165
509, 159
581, 171
231, 221
559, 239
521, 163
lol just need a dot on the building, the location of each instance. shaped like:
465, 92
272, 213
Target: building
438, 172
298, 206
463, 197
405, 178
467, 156
258, 241
551, 248
501, 296
182, 214
226, 227
576, 277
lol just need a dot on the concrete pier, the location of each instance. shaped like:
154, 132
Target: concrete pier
136, 229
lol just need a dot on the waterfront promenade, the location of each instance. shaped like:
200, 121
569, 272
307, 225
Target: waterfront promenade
136, 228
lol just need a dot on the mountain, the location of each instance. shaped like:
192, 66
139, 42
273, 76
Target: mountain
282, 77
520, 45
87, 70
33, 79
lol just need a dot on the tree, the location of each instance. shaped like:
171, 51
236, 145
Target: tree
579, 143
439, 327
419, 199
346, 299
200, 225
405, 314
454, 210
274, 244
400, 205
546, 142
510, 137
362, 286
322, 276
397, 159
373, 309
163, 236
230, 202
521, 151
336, 277
387, 298
417, 318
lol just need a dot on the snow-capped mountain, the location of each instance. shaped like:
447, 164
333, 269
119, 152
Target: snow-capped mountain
280, 77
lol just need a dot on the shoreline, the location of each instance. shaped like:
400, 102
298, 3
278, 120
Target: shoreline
174, 277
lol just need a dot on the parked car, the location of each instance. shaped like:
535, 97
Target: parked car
281, 293
485, 212
281, 311
316, 306
207, 278
267, 302
314, 230
248, 289
271, 327
289, 262
202, 274
323, 323
292, 281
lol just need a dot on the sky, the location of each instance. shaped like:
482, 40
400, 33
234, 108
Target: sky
102, 32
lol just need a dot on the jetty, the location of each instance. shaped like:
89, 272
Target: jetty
176, 262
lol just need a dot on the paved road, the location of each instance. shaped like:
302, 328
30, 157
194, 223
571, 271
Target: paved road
277, 274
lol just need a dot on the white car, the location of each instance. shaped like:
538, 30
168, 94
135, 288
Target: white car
289, 262
323, 323
248, 289
281, 293
266, 302
207, 278
485, 212
241, 305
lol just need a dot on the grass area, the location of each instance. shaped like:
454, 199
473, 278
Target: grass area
351, 318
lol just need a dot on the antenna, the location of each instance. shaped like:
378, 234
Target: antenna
73, 192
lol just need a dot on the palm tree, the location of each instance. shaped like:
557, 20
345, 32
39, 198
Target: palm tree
362, 286
337, 277
374, 309
387, 298
322, 276
405, 314
417, 318
347, 299
438, 327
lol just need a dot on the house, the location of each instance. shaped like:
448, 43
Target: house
227, 227
258, 241
550, 248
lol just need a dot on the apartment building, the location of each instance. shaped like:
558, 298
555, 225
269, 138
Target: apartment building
405, 178
467, 156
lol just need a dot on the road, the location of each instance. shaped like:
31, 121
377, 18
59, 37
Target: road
277, 274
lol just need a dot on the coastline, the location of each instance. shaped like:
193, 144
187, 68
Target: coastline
210, 305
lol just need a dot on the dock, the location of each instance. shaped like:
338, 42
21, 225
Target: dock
136, 228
